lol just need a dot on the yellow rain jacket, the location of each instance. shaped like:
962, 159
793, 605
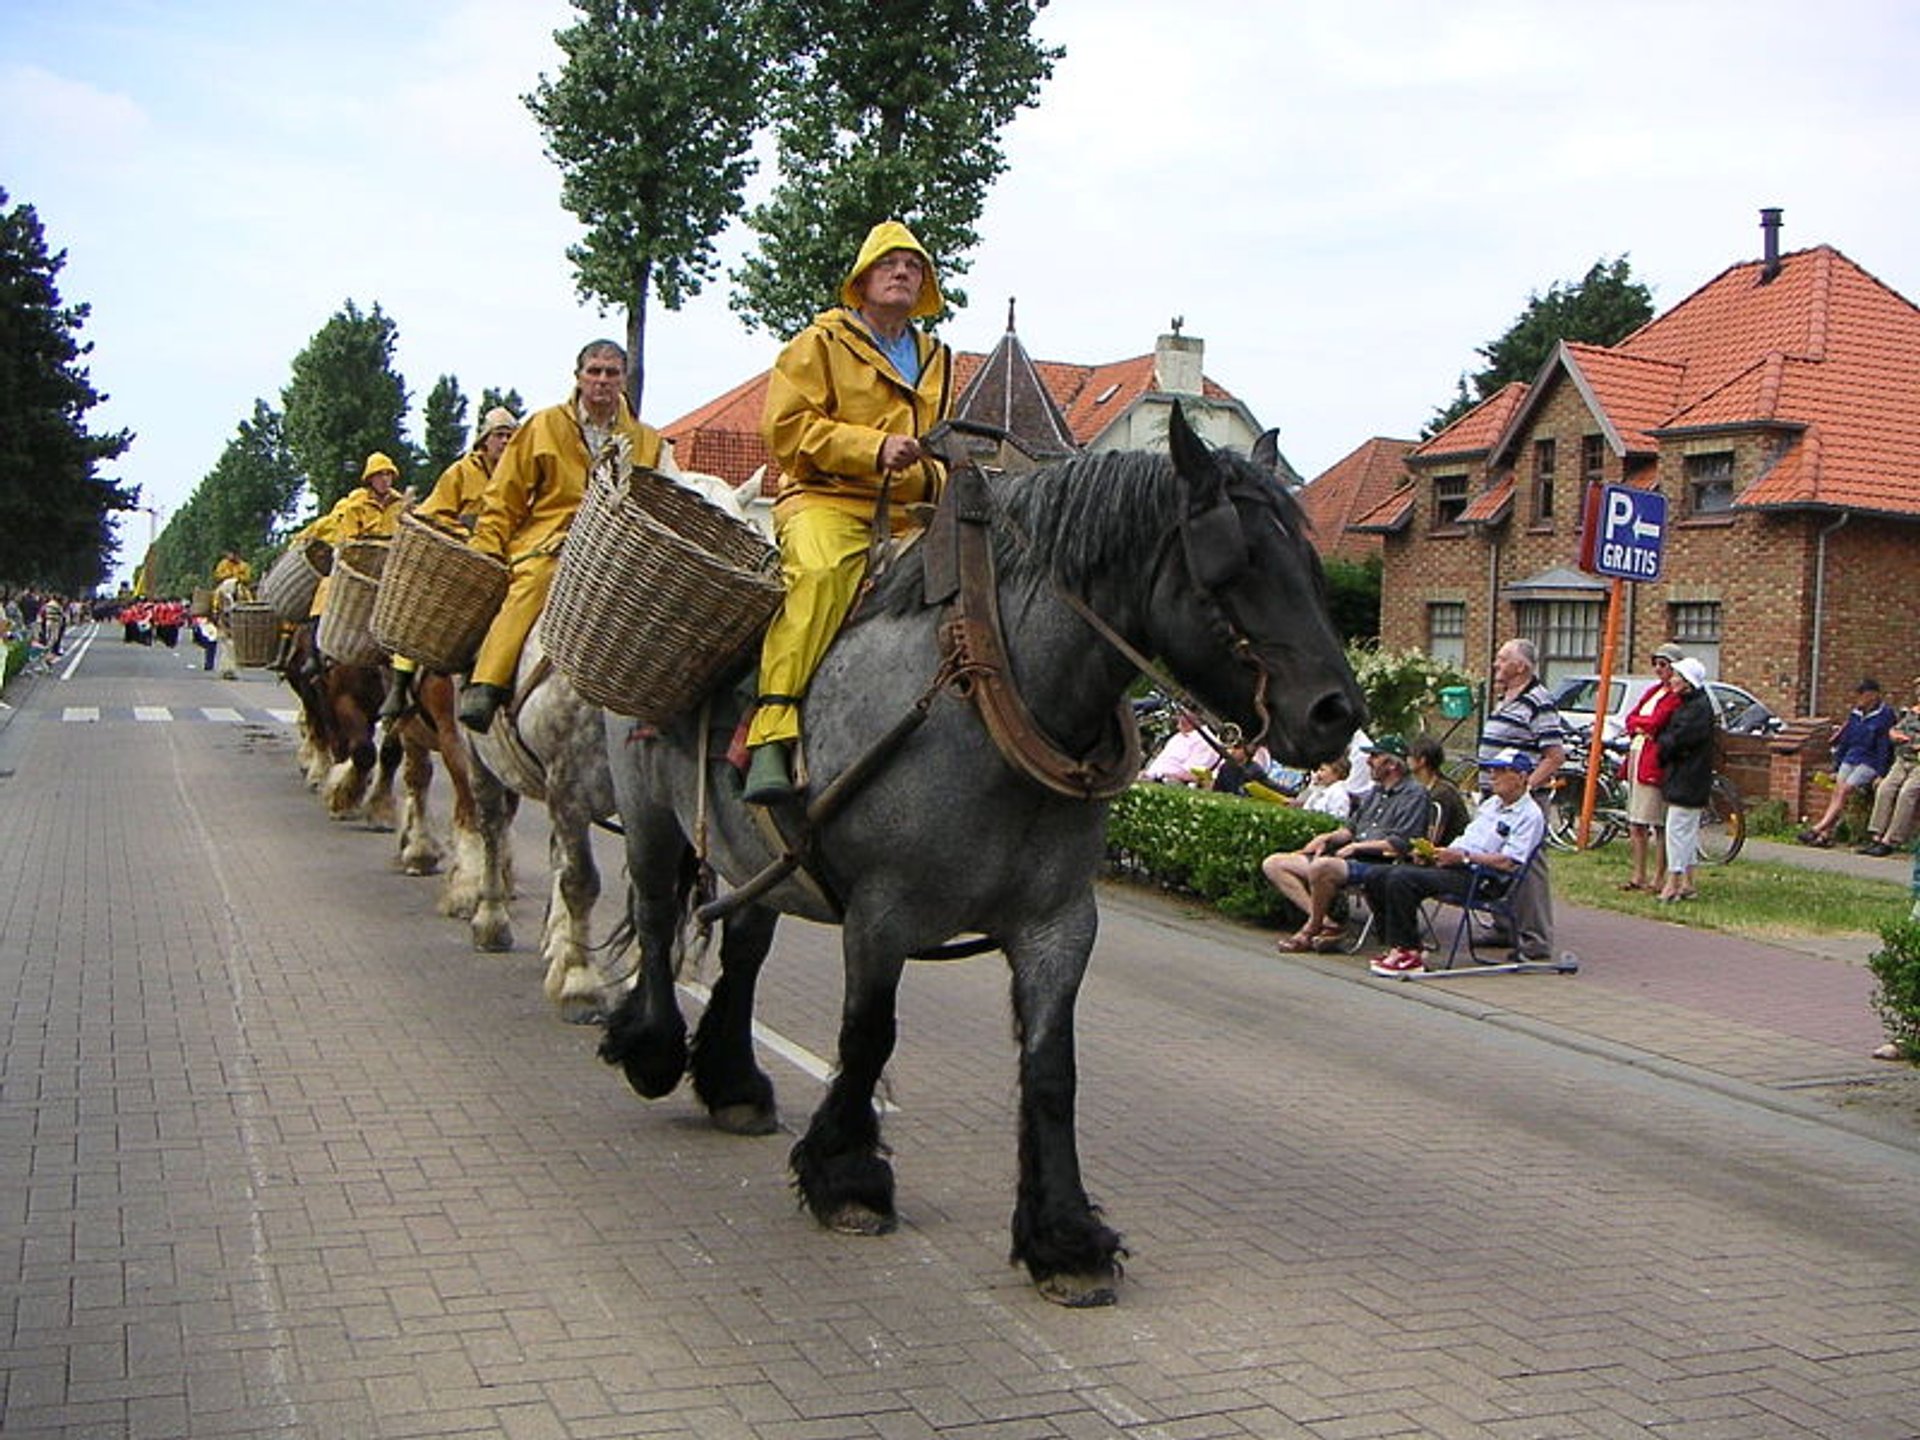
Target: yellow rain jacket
236, 569
455, 497
526, 512
357, 515
833, 397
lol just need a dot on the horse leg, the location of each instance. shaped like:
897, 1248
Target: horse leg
353, 759
646, 1033
839, 1166
1058, 1235
387, 756
461, 895
727, 1076
572, 983
420, 852
495, 806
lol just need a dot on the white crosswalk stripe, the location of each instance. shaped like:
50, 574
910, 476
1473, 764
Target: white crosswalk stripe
163, 714
152, 712
81, 714
222, 713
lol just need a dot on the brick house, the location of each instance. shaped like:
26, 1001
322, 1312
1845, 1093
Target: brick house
1777, 408
1347, 490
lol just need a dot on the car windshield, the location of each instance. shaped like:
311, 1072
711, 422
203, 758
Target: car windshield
1578, 695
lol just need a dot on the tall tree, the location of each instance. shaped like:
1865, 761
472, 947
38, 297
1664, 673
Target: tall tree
1602, 308
509, 399
345, 401
650, 121
446, 424
56, 512
890, 113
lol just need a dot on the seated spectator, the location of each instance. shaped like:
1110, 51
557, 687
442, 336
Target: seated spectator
1503, 834
1384, 826
1896, 798
1862, 753
1325, 792
1239, 767
1187, 758
1428, 758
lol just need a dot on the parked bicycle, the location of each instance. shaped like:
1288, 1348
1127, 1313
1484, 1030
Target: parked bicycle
1723, 823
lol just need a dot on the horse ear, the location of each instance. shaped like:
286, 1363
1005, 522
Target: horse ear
1192, 457
1266, 451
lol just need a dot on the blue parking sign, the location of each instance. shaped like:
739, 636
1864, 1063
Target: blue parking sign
1629, 533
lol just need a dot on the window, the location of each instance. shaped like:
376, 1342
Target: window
1447, 632
1710, 483
1449, 499
1566, 632
1543, 455
1695, 626
1593, 473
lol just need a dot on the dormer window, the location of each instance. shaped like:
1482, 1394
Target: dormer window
1449, 500
1710, 483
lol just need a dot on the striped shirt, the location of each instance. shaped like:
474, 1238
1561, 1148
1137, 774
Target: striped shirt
1529, 723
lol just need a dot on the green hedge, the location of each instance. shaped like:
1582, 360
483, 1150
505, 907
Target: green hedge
12, 660
1897, 968
1207, 845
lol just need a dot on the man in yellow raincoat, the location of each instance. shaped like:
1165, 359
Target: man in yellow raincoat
369, 511
530, 503
231, 567
453, 505
848, 401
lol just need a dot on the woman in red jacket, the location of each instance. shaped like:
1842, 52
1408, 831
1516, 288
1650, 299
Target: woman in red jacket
1646, 805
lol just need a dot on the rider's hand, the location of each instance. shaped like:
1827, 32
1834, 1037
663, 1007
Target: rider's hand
899, 451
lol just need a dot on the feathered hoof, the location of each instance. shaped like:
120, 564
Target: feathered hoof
1080, 1292
744, 1119
581, 1009
851, 1219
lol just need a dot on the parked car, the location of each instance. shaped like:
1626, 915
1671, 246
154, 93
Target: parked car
1738, 709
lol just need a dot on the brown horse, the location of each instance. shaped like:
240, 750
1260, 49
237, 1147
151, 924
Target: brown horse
340, 748
431, 727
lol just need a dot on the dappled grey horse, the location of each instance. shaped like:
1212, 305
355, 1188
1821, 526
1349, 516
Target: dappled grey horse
1199, 559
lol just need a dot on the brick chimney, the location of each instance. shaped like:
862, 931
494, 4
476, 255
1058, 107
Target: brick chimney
1177, 360
1770, 243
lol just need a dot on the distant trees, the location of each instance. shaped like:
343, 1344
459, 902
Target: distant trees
345, 401
1602, 308
56, 511
445, 422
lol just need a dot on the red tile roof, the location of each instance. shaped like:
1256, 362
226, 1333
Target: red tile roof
1349, 489
1475, 432
1490, 506
1389, 516
1634, 393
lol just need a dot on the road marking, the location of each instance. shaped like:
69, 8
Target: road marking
152, 712
794, 1053
285, 717
81, 714
156, 714
222, 713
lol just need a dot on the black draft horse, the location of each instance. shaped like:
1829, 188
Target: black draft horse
1197, 557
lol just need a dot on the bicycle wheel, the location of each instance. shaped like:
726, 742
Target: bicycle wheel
1723, 823
1563, 810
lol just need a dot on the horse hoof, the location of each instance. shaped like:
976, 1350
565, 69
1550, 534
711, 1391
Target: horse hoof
1079, 1292
859, 1220
744, 1119
581, 1010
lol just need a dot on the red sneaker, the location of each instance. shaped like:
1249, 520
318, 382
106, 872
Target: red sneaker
1399, 963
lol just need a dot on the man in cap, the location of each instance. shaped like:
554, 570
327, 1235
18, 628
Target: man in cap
849, 399
454, 505
1523, 717
530, 502
1382, 831
1504, 833
1862, 753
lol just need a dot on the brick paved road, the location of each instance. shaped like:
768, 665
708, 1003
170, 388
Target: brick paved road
280, 1157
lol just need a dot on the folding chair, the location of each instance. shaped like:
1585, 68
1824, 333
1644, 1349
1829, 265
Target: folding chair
1489, 896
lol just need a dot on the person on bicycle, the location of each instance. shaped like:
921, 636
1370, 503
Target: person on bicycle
1646, 803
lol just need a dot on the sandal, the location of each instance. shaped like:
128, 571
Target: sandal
1329, 942
1633, 885
1298, 943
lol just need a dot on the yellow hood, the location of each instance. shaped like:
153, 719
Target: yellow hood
892, 235
376, 462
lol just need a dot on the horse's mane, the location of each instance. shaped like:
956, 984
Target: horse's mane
1086, 516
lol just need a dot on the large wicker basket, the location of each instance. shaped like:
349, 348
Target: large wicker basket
437, 597
290, 584
252, 633
657, 593
346, 627
201, 602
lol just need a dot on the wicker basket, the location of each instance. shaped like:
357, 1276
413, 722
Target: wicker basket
346, 627
290, 584
201, 602
657, 593
252, 633
437, 597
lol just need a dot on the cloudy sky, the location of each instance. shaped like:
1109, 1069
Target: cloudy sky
1343, 201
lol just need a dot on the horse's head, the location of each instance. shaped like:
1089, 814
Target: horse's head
1239, 609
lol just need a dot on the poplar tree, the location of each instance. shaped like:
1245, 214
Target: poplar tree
345, 401
445, 425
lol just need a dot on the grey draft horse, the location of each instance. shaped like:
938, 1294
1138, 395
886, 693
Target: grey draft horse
1199, 558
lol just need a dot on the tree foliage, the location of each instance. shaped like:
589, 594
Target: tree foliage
1602, 308
237, 506
882, 114
56, 511
345, 401
509, 399
445, 424
650, 121
1353, 597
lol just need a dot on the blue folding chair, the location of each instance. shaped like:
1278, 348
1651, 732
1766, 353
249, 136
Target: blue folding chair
1489, 897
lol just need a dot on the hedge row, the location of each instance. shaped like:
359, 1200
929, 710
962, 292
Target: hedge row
1207, 845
